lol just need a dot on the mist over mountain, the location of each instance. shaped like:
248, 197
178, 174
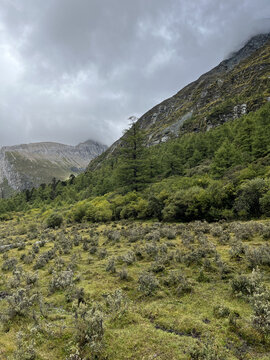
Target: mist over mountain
71, 68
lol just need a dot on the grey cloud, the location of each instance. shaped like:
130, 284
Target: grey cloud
73, 70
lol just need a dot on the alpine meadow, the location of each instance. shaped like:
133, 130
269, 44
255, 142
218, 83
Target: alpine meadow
156, 247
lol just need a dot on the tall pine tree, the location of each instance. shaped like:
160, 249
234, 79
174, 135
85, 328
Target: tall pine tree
225, 157
132, 169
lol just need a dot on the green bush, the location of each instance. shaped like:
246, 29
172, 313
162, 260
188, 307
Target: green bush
148, 283
265, 204
90, 330
99, 210
247, 203
206, 351
261, 312
247, 285
79, 213
54, 220
221, 311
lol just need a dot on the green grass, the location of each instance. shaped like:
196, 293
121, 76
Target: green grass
160, 326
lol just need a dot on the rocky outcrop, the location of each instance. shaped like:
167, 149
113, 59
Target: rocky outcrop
236, 86
236, 77
254, 44
29, 165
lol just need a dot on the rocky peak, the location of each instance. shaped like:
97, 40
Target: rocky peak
252, 45
94, 146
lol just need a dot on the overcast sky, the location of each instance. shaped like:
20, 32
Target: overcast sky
72, 70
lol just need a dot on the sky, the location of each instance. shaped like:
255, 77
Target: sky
72, 70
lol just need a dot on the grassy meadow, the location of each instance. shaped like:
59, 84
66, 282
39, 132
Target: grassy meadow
134, 290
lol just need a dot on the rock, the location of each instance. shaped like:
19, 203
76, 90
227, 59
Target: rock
250, 47
174, 129
4, 248
239, 110
3, 295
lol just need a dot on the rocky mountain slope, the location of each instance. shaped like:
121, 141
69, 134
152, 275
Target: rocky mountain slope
236, 86
29, 165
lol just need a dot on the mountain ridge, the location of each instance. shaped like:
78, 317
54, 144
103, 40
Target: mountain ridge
25, 166
234, 87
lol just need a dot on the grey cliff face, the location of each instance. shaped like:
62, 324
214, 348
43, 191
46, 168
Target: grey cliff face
249, 48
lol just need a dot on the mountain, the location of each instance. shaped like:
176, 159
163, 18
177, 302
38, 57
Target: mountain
29, 165
237, 86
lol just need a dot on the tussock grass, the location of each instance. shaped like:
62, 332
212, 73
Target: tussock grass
168, 295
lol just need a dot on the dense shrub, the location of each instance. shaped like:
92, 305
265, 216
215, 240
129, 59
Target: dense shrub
110, 267
129, 258
44, 258
134, 235
179, 282
258, 256
153, 236
113, 236
147, 283
28, 258
31, 278
151, 250
261, 312
206, 351
237, 250
61, 280
247, 284
168, 232
117, 303
247, 204
221, 311
157, 266
9, 264
102, 253
90, 329
54, 220
265, 232
19, 303
123, 274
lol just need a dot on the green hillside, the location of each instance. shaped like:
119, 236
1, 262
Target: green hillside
214, 175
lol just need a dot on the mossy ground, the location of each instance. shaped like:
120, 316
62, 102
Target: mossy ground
162, 325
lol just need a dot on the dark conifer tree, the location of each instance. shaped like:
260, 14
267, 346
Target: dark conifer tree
131, 170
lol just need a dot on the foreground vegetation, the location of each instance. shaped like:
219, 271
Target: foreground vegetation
133, 290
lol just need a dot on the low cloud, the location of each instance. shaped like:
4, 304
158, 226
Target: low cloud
74, 70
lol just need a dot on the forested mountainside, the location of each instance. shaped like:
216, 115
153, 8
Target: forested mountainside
29, 165
237, 86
